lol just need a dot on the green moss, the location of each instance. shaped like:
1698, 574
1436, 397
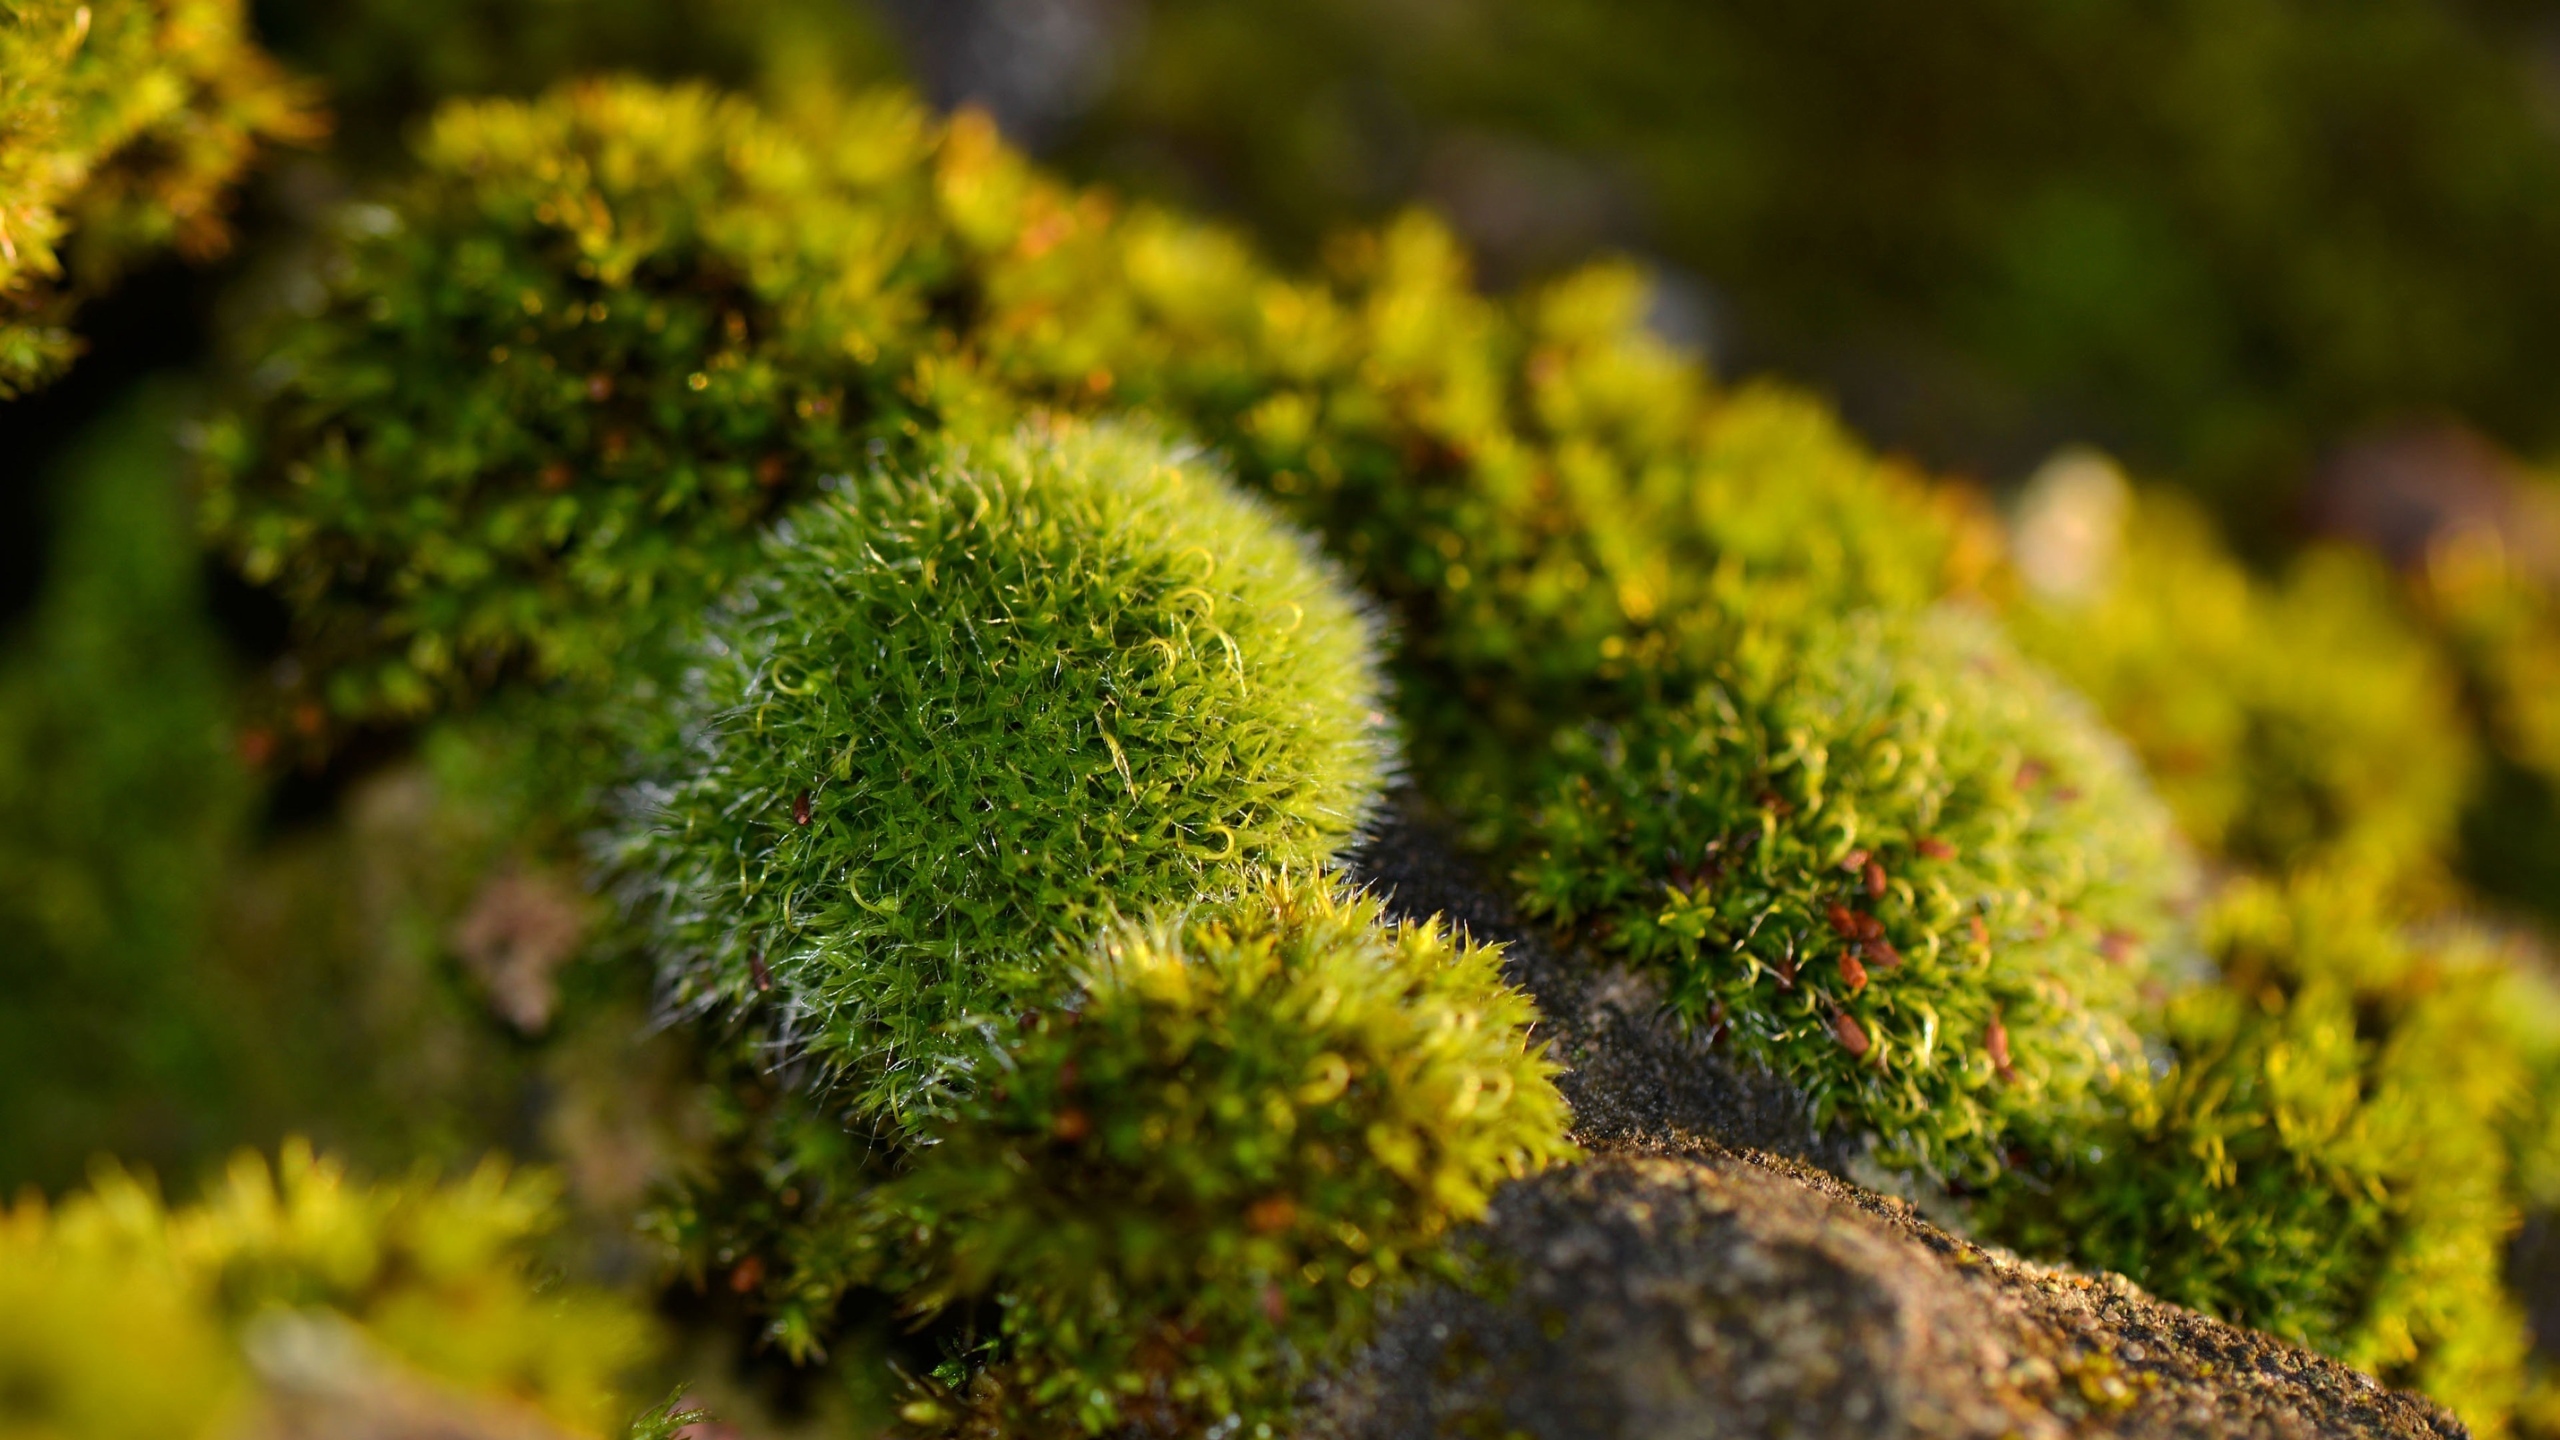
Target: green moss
1884, 857
1201, 1178
961, 713
2307, 721
442, 1280
128, 123
557, 389
486, 457
1562, 511
2333, 1153
1676, 653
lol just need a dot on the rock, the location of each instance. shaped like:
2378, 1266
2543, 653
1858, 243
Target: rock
1709, 1272
1724, 1293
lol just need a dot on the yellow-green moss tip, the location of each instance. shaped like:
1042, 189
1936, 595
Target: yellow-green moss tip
967, 711
121, 1317
128, 123
1198, 1180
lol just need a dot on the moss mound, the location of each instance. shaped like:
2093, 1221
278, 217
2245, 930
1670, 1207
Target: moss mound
1886, 858
965, 713
1201, 1178
558, 386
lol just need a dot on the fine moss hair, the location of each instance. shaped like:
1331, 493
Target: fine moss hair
442, 1281
1201, 1177
1886, 858
969, 710
2336, 1151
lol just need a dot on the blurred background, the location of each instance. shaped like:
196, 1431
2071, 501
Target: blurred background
2294, 259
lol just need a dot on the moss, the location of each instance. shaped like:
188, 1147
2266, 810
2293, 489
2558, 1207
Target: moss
1531, 484
1887, 859
1563, 512
560, 385
2303, 721
1677, 652
129, 121
442, 1279
2333, 1153
963, 712
1201, 1178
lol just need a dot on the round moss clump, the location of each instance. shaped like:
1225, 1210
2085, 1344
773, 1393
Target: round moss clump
1886, 858
971, 711
1201, 1177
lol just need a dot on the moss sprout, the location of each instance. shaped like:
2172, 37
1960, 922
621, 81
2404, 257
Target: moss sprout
1888, 859
1201, 1177
440, 1279
967, 711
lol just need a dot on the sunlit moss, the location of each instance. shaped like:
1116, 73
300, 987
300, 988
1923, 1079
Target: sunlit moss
963, 713
442, 1282
2333, 1153
2303, 721
1200, 1178
1884, 857
128, 123
1693, 663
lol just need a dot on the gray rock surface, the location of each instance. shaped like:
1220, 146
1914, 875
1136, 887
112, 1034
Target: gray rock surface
1708, 1272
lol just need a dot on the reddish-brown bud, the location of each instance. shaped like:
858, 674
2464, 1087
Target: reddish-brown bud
1851, 1035
1852, 974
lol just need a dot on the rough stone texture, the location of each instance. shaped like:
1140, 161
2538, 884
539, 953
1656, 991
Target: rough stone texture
1708, 1272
